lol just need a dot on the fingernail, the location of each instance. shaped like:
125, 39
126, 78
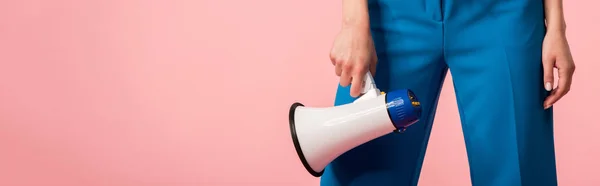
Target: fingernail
546, 107
548, 86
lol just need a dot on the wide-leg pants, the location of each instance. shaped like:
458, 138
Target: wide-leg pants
493, 50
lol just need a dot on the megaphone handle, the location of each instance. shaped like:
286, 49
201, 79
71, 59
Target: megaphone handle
369, 83
369, 90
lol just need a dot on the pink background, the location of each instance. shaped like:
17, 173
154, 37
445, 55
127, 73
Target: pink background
178, 93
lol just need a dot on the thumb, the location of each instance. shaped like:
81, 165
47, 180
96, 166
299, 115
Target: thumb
548, 65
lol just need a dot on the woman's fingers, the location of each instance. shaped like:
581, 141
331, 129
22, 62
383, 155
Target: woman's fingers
557, 93
351, 74
548, 65
358, 76
345, 77
565, 75
338, 69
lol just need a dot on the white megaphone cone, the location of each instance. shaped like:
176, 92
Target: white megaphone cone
322, 134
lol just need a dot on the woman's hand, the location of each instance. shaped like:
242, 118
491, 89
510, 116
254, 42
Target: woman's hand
556, 54
353, 54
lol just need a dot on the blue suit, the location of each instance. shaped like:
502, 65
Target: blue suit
493, 50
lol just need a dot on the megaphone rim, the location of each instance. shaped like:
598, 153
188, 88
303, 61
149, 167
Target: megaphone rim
297, 142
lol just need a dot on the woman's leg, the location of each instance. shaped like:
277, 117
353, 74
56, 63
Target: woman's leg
408, 41
493, 49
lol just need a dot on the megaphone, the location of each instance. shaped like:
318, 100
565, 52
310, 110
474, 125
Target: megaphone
322, 134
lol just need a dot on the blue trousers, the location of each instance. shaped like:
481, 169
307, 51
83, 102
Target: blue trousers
493, 50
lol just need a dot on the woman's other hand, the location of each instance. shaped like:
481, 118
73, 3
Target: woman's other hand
556, 54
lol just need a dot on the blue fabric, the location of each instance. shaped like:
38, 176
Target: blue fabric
493, 50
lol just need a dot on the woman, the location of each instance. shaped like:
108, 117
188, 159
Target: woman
501, 53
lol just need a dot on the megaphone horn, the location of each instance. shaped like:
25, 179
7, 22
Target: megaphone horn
322, 134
